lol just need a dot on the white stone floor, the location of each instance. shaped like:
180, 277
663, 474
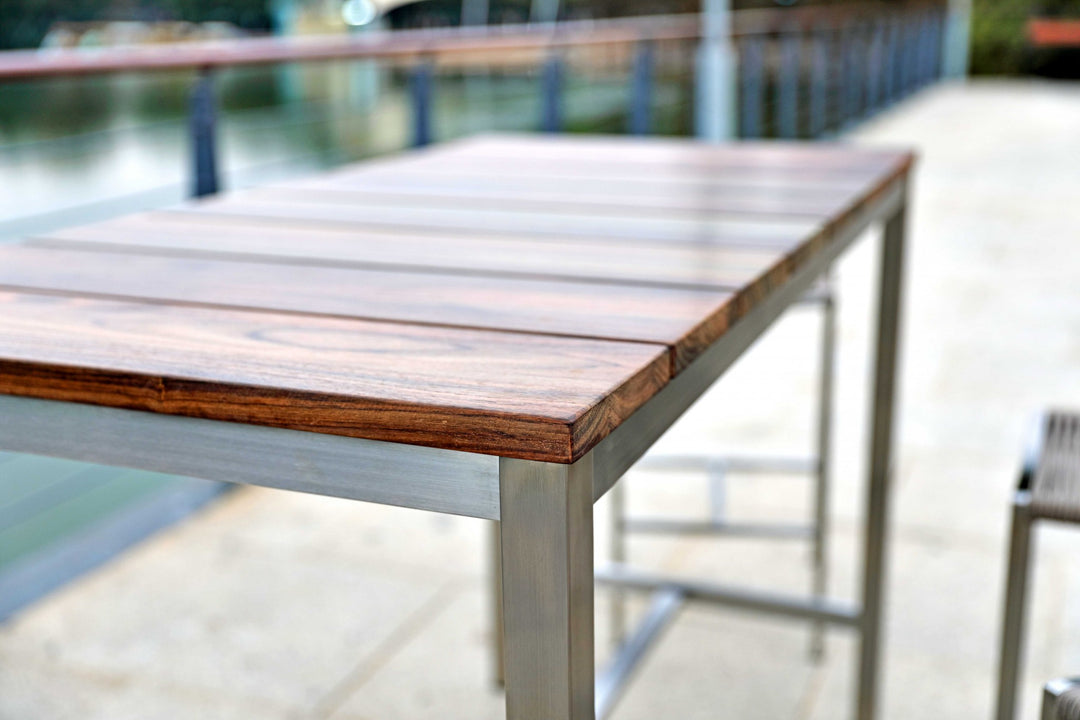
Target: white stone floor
272, 605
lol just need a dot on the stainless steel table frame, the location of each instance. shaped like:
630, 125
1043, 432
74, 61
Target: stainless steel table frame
544, 509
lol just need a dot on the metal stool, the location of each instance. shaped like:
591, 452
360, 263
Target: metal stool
1061, 700
718, 468
1049, 490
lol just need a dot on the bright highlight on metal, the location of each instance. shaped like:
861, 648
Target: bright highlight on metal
358, 13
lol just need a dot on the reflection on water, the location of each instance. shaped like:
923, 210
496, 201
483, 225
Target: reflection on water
119, 142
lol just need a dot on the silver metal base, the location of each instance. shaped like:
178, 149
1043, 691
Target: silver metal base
610, 685
817, 609
1055, 706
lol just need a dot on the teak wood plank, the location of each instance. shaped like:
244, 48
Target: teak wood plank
617, 176
529, 396
495, 220
702, 265
670, 152
687, 321
586, 198
763, 176
639, 190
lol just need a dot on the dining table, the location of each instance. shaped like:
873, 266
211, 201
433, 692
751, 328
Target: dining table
496, 327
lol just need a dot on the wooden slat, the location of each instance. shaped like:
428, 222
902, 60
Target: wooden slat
496, 220
602, 172
529, 396
577, 198
702, 264
641, 187
687, 321
430, 245
631, 153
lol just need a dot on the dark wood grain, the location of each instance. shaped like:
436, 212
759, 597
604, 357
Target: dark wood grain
525, 312
686, 321
527, 396
703, 264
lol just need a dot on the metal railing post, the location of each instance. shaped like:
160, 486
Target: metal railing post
203, 124
937, 45
753, 86
819, 85
911, 56
851, 70
787, 87
892, 64
956, 38
927, 34
420, 81
716, 78
642, 92
551, 82
873, 69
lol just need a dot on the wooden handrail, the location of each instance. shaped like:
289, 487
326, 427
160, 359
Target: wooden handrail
403, 44
406, 45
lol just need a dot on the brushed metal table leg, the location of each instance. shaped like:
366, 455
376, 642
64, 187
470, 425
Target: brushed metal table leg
1012, 632
547, 573
820, 581
618, 555
498, 650
880, 464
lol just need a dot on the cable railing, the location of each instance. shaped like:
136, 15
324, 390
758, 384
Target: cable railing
804, 72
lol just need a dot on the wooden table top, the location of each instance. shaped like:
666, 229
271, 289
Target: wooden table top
509, 295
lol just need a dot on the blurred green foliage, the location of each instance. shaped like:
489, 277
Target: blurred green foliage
998, 35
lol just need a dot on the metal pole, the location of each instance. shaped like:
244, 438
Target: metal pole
819, 85
939, 44
618, 556
819, 585
1012, 632
544, 11
873, 69
641, 95
547, 570
715, 101
613, 682
880, 462
420, 89
203, 121
474, 12
289, 76
957, 39
478, 86
753, 87
853, 69
498, 651
551, 82
911, 54
889, 64
787, 89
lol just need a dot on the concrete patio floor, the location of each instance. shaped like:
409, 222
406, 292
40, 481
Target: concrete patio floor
273, 605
